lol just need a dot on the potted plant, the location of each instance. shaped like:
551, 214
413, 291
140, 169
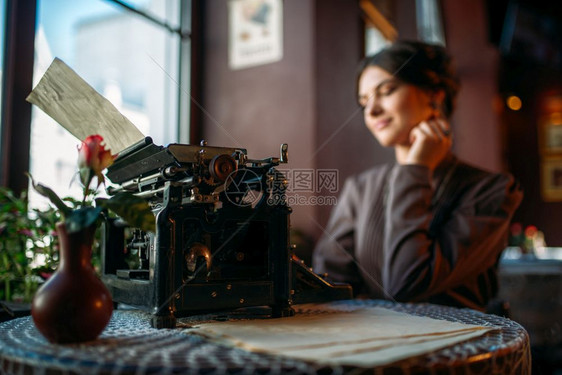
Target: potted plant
19, 233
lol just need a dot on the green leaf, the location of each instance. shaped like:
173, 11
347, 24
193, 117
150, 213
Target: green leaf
82, 218
53, 197
134, 210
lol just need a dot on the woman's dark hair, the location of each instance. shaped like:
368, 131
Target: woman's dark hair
426, 66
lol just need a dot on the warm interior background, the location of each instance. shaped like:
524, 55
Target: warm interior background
308, 98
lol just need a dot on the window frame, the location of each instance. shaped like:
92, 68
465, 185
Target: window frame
17, 83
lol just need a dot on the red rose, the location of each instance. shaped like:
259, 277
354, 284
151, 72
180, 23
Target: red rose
531, 231
93, 155
93, 158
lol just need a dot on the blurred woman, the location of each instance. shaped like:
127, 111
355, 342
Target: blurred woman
428, 227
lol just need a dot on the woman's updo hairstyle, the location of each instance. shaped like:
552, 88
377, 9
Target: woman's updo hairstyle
426, 66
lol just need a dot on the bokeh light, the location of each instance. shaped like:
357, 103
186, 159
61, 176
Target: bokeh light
514, 103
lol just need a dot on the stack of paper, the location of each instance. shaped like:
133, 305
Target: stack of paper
340, 334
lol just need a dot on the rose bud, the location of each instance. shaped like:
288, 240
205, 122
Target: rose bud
93, 155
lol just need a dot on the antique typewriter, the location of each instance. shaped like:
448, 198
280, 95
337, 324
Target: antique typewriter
222, 235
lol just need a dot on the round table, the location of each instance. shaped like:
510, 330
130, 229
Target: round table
129, 345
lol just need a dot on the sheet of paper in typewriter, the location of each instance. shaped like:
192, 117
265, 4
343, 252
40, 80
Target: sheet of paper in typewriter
73, 103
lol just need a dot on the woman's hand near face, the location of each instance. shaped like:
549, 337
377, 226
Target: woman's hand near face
430, 143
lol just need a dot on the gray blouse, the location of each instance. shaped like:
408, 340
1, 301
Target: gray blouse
399, 233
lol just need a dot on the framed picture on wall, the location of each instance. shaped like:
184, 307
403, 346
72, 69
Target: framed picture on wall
552, 138
550, 126
551, 179
255, 32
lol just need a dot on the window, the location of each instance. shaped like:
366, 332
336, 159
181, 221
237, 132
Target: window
379, 31
130, 60
428, 18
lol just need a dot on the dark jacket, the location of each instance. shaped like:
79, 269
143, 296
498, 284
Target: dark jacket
399, 234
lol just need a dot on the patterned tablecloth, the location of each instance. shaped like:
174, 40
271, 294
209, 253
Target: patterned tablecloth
130, 346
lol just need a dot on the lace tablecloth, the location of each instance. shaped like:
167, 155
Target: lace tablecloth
130, 346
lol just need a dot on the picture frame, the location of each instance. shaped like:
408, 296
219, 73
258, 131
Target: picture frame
551, 179
550, 128
255, 33
552, 138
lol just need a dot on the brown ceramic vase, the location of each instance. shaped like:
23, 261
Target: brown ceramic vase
73, 305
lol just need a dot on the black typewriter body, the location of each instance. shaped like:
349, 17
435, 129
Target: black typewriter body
221, 240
